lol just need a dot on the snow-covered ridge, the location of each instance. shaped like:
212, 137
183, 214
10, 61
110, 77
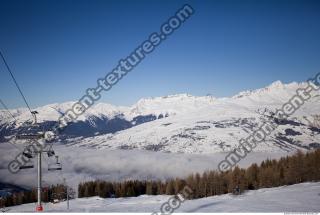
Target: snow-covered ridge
276, 86
186, 124
165, 105
170, 104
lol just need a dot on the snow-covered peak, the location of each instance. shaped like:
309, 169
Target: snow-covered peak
276, 84
171, 104
276, 91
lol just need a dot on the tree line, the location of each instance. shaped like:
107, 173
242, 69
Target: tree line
297, 168
47, 195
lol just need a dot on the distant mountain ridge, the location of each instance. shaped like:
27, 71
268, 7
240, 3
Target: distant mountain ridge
182, 122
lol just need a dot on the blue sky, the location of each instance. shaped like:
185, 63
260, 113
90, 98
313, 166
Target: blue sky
58, 49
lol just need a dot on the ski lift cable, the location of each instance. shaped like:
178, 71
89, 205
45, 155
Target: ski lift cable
33, 113
14, 146
5, 106
15, 81
7, 109
59, 111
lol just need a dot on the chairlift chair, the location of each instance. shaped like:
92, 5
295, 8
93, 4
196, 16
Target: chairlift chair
55, 166
28, 165
50, 153
28, 154
31, 129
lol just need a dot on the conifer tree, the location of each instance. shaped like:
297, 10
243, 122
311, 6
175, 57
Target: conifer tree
170, 188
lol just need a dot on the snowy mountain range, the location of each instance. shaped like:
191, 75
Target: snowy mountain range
182, 123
